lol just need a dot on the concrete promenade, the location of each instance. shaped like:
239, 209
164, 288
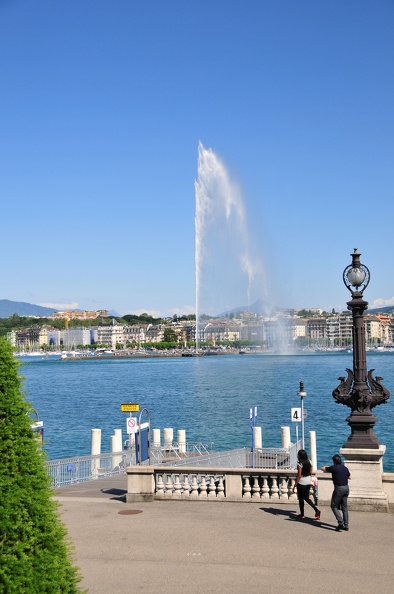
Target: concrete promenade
204, 547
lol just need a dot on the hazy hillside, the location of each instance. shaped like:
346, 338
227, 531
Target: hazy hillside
384, 310
8, 308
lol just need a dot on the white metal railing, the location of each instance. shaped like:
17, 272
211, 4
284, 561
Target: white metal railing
278, 458
69, 471
84, 468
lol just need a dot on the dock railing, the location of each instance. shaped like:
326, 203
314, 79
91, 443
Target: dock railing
68, 471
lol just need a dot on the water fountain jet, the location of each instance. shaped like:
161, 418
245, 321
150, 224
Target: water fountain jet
226, 269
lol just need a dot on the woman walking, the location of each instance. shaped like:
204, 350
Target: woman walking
303, 484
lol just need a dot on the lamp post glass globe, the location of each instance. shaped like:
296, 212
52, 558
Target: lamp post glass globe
356, 277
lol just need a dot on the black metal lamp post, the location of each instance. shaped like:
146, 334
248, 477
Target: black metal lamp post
360, 390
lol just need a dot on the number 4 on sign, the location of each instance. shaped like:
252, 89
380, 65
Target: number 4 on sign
296, 414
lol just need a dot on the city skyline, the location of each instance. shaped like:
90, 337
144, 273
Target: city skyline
103, 108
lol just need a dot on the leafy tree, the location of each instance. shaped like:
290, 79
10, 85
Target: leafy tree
170, 335
35, 554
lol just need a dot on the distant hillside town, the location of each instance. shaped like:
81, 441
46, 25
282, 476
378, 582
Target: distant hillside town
301, 328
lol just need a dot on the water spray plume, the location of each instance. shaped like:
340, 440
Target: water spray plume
225, 268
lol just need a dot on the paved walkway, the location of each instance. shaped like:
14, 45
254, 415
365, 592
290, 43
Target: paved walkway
203, 547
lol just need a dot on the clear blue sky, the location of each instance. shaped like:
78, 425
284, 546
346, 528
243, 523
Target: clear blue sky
102, 106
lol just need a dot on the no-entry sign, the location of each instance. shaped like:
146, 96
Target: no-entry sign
131, 425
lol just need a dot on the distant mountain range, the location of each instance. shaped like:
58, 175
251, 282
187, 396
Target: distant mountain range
259, 307
8, 308
384, 310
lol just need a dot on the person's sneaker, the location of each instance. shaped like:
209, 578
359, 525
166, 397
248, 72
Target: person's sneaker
346, 528
300, 517
317, 515
340, 527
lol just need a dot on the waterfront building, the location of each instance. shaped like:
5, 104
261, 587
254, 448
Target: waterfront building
299, 328
135, 334
386, 328
253, 332
80, 315
110, 334
332, 330
316, 329
373, 330
72, 337
155, 332
222, 331
345, 328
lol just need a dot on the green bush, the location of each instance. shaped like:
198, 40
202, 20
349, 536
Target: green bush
35, 553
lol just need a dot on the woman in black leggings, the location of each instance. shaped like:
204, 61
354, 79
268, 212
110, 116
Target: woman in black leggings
303, 484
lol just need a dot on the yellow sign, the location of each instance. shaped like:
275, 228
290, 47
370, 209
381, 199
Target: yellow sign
130, 407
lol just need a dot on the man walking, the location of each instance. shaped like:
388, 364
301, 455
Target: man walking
340, 478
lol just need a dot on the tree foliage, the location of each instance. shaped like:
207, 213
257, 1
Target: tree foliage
35, 554
144, 318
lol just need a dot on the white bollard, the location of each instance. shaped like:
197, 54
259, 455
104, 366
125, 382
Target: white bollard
116, 447
156, 443
95, 449
118, 440
181, 441
312, 448
168, 438
258, 438
285, 437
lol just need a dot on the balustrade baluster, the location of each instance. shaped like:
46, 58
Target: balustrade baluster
185, 486
293, 496
159, 485
283, 491
177, 487
220, 487
212, 488
194, 487
168, 492
274, 488
265, 491
246, 488
255, 488
203, 486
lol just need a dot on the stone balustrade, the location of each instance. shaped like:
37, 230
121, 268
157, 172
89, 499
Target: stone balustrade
215, 484
148, 483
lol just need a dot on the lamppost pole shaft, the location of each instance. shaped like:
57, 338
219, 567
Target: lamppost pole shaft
302, 394
357, 307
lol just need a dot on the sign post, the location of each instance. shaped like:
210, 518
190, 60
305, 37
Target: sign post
131, 423
302, 395
252, 419
296, 417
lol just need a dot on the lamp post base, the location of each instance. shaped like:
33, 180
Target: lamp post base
362, 435
366, 486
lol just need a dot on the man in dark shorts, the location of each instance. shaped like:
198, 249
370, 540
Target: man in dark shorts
340, 478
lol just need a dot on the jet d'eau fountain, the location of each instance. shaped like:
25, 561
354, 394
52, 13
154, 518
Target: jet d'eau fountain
229, 272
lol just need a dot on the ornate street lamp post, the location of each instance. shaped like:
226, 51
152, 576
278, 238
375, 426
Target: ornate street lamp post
360, 390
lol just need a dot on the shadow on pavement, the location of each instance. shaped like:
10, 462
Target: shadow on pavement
120, 494
291, 516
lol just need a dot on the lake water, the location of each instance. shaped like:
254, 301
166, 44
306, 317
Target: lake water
209, 397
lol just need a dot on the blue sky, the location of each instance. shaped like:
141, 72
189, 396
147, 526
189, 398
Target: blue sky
102, 107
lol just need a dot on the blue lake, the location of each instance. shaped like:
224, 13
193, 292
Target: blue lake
209, 397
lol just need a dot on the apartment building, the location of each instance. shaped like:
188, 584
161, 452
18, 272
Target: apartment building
135, 334
110, 334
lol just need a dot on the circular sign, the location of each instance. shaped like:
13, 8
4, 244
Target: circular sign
131, 425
